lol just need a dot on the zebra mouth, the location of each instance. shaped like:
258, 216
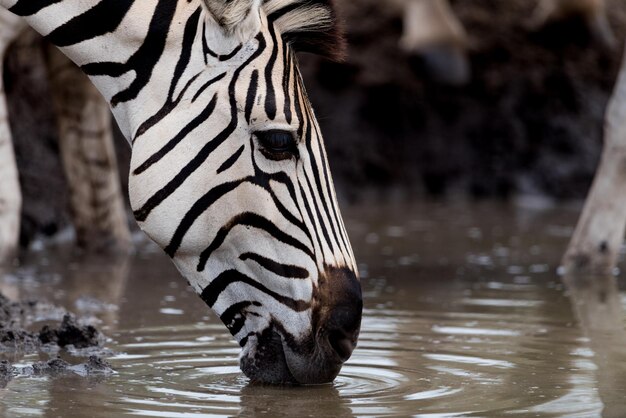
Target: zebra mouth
264, 361
272, 360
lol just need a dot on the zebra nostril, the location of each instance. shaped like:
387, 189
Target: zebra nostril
342, 345
343, 330
346, 320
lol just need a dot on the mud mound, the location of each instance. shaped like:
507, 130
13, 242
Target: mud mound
16, 337
16, 318
70, 333
93, 367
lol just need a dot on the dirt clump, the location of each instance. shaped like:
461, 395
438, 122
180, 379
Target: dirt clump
70, 332
93, 366
17, 319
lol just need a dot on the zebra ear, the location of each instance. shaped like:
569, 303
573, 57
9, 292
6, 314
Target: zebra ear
240, 17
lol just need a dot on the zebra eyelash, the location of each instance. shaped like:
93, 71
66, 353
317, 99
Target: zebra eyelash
277, 144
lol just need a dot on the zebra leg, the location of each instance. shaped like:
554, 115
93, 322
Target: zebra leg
88, 155
593, 12
10, 194
433, 32
596, 242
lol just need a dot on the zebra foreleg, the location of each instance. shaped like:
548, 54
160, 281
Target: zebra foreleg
88, 155
10, 194
596, 242
433, 32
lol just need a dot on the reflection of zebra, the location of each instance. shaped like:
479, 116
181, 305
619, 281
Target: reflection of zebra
228, 173
86, 145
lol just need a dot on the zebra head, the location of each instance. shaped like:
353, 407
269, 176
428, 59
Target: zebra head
230, 178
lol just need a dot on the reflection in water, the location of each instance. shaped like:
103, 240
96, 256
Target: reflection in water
598, 308
293, 402
464, 315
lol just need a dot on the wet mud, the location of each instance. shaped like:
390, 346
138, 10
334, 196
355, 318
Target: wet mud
20, 334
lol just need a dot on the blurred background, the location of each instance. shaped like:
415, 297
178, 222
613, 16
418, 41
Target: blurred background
521, 116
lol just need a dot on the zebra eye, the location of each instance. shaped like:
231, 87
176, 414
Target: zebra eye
277, 144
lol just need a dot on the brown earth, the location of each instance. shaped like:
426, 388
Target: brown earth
530, 121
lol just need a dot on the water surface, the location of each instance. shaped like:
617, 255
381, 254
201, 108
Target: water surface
464, 316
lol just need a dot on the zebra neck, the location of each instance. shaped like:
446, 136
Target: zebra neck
130, 49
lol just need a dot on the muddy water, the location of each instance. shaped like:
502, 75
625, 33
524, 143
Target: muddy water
465, 316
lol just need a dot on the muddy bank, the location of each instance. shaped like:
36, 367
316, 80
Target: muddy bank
21, 333
94, 366
17, 319
530, 121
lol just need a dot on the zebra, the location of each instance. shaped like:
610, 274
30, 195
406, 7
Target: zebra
433, 31
86, 145
229, 173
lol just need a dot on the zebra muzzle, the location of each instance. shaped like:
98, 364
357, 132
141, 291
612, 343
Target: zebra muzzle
276, 357
336, 321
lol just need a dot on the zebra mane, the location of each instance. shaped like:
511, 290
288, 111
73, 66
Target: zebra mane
308, 25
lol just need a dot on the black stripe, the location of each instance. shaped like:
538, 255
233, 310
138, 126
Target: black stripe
287, 60
251, 96
310, 215
196, 210
197, 121
200, 158
144, 60
285, 212
212, 292
255, 221
320, 219
264, 180
301, 126
101, 19
329, 189
270, 97
318, 182
311, 190
316, 177
205, 46
209, 51
206, 86
30, 7
189, 35
297, 104
218, 192
245, 339
232, 54
167, 108
230, 319
232, 160
283, 270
